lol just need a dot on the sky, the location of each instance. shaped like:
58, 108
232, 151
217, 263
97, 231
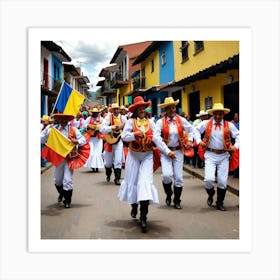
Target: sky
91, 56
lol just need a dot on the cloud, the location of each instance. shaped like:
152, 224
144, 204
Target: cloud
91, 56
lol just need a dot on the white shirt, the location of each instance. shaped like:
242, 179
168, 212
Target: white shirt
216, 141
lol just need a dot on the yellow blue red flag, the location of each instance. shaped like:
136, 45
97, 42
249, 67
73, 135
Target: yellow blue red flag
57, 147
69, 100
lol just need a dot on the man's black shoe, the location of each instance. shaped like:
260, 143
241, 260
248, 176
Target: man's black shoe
117, 182
143, 225
220, 207
60, 197
168, 200
210, 201
177, 205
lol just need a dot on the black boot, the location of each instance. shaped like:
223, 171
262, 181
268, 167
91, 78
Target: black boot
117, 172
67, 198
144, 205
168, 192
220, 199
108, 173
177, 195
60, 191
134, 210
211, 193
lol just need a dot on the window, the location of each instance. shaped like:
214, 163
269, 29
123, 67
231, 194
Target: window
152, 66
184, 50
163, 59
198, 46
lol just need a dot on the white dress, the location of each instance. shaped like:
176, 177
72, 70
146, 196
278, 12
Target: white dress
138, 179
95, 159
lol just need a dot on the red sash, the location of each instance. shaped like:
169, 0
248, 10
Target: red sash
234, 159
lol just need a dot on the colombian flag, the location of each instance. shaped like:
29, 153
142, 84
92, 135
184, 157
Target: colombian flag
69, 100
57, 147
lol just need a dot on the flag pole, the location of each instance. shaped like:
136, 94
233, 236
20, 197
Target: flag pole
57, 97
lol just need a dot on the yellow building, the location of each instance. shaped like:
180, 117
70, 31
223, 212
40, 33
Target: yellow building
208, 72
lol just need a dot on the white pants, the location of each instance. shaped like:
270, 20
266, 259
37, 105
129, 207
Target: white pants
114, 159
221, 163
63, 176
172, 168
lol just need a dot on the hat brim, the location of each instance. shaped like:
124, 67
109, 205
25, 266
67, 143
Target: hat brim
200, 115
60, 116
137, 105
164, 105
211, 111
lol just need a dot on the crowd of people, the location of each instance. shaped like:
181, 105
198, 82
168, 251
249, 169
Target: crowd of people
129, 136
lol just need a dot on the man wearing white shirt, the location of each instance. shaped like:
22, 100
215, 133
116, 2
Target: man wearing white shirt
169, 137
217, 146
113, 153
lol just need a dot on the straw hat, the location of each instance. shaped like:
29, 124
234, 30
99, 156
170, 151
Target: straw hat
138, 102
115, 106
201, 113
45, 118
168, 101
95, 110
60, 116
123, 107
218, 107
103, 107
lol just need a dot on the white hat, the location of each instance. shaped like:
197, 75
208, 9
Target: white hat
201, 113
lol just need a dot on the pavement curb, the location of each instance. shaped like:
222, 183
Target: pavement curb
192, 172
43, 169
196, 174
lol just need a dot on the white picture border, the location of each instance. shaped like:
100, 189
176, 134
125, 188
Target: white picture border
244, 243
261, 262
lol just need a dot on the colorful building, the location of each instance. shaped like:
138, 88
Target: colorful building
198, 73
121, 80
55, 69
208, 71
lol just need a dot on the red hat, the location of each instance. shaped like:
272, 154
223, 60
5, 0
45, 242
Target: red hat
138, 102
60, 116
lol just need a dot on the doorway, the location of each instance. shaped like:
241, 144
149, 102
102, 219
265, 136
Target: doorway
231, 99
194, 101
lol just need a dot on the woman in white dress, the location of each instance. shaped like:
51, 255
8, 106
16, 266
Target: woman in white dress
95, 160
137, 186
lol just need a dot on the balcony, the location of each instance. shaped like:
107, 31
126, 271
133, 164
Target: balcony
106, 89
49, 84
138, 83
118, 80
